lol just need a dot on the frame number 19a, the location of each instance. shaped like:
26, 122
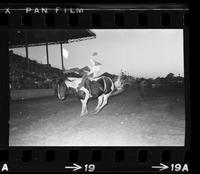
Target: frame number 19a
173, 167
179, 168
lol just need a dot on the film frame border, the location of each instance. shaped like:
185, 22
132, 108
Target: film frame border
107, 158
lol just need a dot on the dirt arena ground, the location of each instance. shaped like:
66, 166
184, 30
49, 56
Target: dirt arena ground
157, 119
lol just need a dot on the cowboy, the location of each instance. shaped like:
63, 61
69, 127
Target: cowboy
94, 72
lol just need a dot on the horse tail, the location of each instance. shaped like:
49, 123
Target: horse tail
118, 86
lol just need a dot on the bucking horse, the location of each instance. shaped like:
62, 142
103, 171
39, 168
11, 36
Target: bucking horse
101, 87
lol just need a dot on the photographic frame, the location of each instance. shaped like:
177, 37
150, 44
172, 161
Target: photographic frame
112, 158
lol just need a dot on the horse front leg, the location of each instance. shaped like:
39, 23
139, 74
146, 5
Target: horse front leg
84, 110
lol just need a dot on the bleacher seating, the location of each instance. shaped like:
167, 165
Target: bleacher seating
38, 75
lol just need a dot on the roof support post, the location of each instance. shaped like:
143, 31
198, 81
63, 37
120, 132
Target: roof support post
27, 59
26, 48
61, 49
47, 54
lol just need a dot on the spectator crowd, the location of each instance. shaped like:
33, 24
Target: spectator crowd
32, 75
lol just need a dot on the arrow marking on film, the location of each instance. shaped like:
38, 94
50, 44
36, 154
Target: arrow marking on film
74, 167
161, 167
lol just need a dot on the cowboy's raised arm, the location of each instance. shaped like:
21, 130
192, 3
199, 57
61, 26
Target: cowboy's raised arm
92, 61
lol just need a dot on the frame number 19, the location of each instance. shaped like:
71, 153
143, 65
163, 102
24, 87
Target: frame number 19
89, 167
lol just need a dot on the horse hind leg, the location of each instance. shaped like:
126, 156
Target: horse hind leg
100, 100
106, 96
105, 102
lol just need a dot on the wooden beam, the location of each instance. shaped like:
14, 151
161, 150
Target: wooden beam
47, 53
27, 57
26, 48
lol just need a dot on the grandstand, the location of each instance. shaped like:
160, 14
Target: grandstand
39, 76
28, 38
29, 74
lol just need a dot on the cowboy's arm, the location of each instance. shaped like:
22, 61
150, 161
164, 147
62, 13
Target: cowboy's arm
92, 61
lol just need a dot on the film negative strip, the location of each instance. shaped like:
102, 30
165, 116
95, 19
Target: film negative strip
95, 88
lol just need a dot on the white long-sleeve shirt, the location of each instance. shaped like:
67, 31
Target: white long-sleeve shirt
95, 68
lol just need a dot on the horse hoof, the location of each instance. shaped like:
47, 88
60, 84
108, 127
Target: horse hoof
95, 112
84, 114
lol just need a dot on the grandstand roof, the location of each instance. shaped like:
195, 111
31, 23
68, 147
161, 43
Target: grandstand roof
19, 38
